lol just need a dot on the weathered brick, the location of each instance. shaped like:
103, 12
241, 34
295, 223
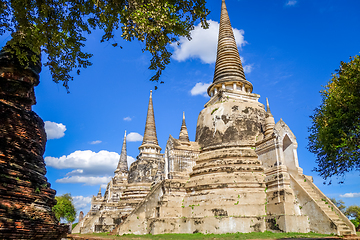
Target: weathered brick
22, 167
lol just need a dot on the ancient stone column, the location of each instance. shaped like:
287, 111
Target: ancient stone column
81, 216
26, 198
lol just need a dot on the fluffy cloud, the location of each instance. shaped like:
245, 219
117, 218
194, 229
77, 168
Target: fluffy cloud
291, 2
75, 172
200, 89
85, 179
203, 43
96, 142
81, 202
87, 167
350, 195
54, 130
127, 119
134, 137
248, 68
87, 161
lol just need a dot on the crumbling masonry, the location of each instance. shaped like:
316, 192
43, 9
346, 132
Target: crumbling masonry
26, 198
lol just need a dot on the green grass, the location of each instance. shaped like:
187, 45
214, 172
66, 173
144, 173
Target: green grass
358, 233
254, 235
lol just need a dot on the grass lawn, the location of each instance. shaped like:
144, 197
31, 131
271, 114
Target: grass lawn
254, 235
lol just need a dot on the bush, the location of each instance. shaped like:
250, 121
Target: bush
74, 225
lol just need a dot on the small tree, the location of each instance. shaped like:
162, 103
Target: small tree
64, 208
335, 131
353, 212
339, 204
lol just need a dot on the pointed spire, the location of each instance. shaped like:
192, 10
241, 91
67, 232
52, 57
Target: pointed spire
99, 193
269, 120
268, 107
184, 136
228, 65
150, 129
122, 165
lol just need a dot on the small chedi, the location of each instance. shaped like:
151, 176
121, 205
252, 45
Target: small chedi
26, 198
240, 175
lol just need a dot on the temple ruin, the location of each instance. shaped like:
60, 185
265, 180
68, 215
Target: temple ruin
241, 174
26, 198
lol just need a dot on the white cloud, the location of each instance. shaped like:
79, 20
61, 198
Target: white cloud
90, 163
291, 2
248, 68
130, 160
134, 137
75, 172
200, 88
96, 142
87, 167
127, 119
81, 202
350, 195
203, 44
85, 179
54, 130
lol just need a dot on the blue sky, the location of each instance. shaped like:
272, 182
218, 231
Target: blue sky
289, 51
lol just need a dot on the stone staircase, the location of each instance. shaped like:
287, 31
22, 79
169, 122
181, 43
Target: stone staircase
138, 205
85, 225
343, 224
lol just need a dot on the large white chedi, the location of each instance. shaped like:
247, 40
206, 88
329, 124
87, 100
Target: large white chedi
241, 174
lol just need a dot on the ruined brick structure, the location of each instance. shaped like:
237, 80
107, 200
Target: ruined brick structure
240, 175
26, 198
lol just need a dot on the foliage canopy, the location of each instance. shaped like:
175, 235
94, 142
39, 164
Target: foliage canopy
64, 208
58, 28
335, 131
354, 213
339, 204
